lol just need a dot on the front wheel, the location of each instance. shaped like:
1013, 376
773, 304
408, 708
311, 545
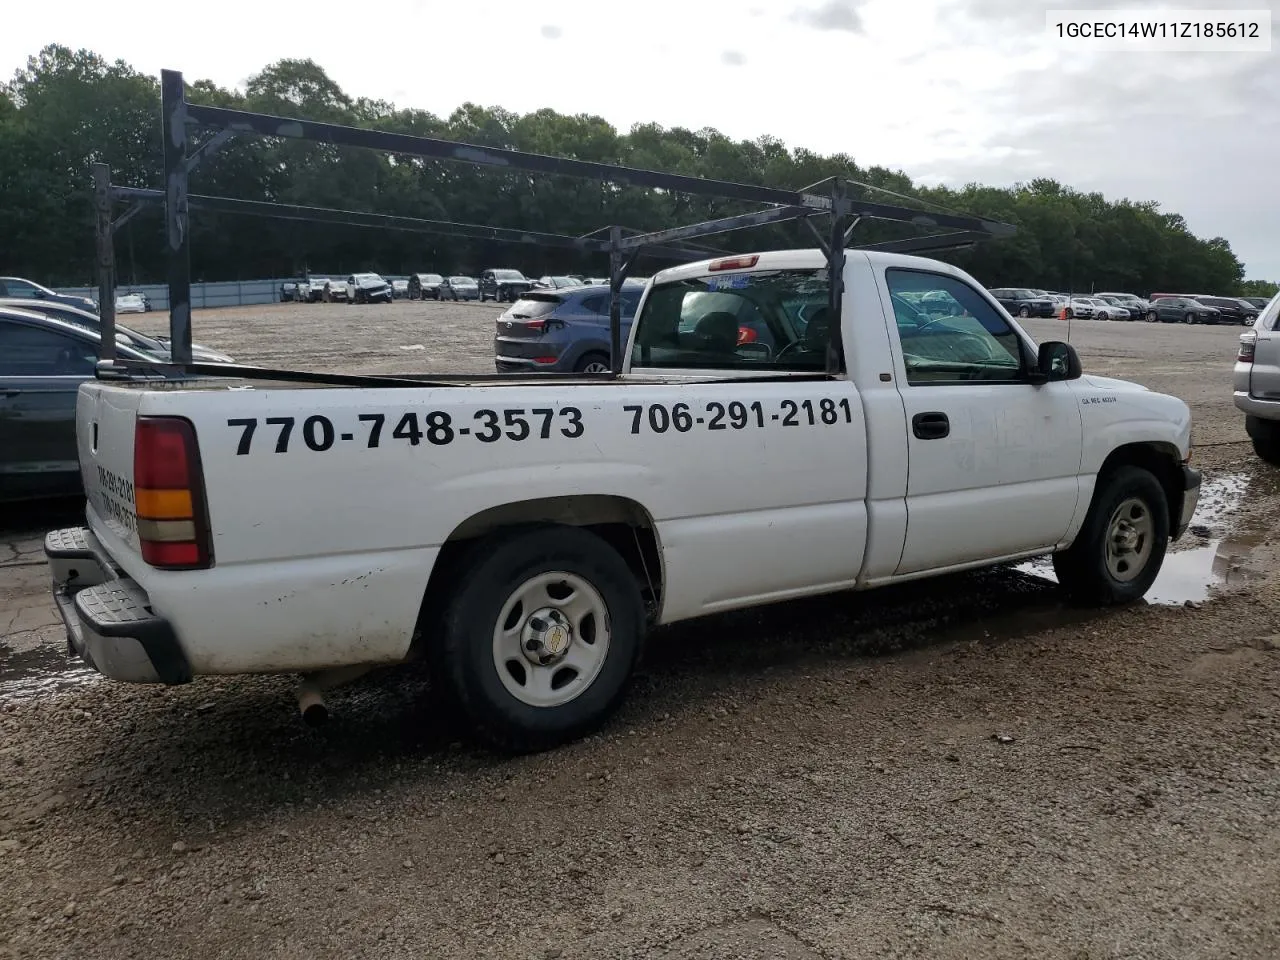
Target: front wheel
1121, 545
541, 636
1152, 317
1024, 312
1190, 318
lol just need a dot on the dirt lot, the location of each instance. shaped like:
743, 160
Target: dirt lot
958, 768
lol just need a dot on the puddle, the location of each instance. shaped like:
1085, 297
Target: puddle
46, 670
1211, 562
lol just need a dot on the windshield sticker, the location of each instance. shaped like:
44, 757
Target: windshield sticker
738, 281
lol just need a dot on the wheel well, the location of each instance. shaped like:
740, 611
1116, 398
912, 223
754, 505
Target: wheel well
622, 523
1160, 459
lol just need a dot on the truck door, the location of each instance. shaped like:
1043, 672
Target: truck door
993, 460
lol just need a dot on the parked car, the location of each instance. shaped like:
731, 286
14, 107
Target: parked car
1022, 302
1259, 302
424, 286
1105, 310
291, 290
503, 284
459, 288
130, 303
367, 288
1256, 383
20, 289
1138, 307
1181, 310
1231, 310
127, 335
556, 283
1079, 307
316, 288
337, 290
399, 289
43, 361
565, 330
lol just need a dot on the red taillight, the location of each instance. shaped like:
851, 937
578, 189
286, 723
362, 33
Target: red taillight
545, 359
168, 493
735, 263
1248, 344
538, 325
746, 335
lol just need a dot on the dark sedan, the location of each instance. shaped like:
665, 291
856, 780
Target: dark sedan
503, 285
126, 335
1182, 310
1232, 310
1022, 302
566, 331
368, 288
20, 289
1259, 302
43, 361
425, 286
459, 288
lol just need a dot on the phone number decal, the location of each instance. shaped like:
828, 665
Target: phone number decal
437, 427
681, 417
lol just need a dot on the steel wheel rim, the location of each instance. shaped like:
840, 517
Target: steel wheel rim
1130, 538
551, 639
595, 366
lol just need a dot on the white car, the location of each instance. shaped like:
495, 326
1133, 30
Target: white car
1106, 311
130, 303
276, 525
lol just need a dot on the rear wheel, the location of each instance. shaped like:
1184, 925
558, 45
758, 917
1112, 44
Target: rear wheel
1121, 545
1265, 435
541, 636
1024, 312
592, 363
1151, 316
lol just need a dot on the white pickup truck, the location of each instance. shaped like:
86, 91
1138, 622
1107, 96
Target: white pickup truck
524, 535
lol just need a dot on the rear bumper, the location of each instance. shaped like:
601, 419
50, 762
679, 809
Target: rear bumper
1254, 407
1190, 498
108, 616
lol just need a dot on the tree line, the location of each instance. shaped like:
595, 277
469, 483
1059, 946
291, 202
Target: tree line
70, 108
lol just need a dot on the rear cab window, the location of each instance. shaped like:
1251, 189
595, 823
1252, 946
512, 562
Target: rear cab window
759, 321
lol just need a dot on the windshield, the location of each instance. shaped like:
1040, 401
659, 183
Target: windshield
508, 275
765, 320
432, 278
462, 282
368, 278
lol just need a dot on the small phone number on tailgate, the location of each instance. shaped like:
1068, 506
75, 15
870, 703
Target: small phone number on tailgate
280, 434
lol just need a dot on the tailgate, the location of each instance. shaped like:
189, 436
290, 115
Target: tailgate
105, 419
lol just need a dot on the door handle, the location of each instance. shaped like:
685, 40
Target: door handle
930, 426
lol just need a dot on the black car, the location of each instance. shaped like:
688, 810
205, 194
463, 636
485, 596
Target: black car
29, 290
503, 284
1259, 302
1022, 302
425, 286
1182, 310
1231, 309
43, 361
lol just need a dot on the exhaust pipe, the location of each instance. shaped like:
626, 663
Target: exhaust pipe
310, 692
311, 702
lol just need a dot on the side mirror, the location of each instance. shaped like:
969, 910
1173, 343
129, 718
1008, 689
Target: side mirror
1057, 361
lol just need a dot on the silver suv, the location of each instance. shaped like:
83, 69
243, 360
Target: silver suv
1256, 382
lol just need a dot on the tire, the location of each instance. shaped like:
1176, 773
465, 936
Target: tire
1024, 312
1070, 314
1088, 571
1265, 436
1152, 316
592, 359
495, 696
1189, 318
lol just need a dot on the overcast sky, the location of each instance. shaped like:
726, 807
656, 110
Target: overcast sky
945, 90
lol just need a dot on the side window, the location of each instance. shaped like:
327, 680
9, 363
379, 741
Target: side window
16, 288
598, 304
27, 351
954, 335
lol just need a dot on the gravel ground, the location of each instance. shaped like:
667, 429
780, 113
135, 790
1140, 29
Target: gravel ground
953, 768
